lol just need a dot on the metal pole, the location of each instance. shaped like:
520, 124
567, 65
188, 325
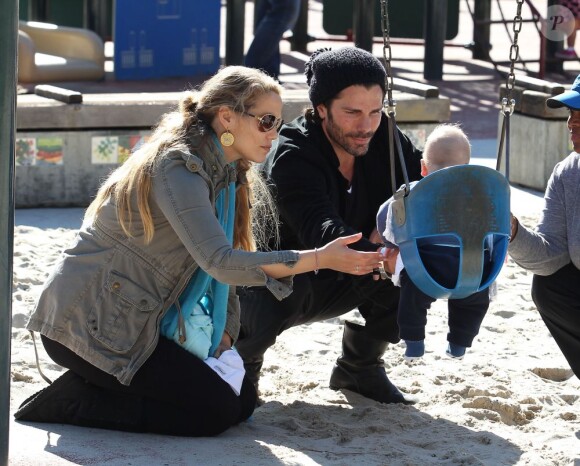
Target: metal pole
553, 65
364, 24
38, 10
235, 29
98, 17
482, 45
8, 48
435, 29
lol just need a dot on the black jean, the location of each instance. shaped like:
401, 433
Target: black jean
557, 298
181, 394
464, 315
315, 298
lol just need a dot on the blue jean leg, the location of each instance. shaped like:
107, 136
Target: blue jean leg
274, 18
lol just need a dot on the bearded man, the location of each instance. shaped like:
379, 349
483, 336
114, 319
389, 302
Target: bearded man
329, 175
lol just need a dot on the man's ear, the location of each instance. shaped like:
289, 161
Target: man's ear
322, 111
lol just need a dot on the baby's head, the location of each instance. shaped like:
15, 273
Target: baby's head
446, 146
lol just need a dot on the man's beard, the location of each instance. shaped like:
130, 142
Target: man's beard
338, 136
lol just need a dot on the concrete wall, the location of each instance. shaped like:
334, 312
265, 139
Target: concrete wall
539, 137
537, 145
65, 168
63, 152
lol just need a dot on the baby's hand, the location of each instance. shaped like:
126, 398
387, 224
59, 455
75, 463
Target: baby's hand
388, 263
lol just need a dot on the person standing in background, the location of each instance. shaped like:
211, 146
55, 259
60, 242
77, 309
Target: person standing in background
273, 19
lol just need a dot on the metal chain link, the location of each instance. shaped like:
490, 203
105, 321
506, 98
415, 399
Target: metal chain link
387, 56
389, 104
507, 103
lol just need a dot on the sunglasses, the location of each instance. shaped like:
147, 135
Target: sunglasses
266, 122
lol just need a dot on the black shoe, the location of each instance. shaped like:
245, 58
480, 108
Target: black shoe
361, 369
372, 383
39, 407
70, 399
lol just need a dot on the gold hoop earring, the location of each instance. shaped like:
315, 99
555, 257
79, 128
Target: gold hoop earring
227, 138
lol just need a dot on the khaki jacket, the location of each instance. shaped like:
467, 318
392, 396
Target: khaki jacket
106, 297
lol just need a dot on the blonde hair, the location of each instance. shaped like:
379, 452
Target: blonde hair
447, 145
236, 87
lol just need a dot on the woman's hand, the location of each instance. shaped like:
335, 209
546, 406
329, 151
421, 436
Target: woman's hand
225, 344
337, 256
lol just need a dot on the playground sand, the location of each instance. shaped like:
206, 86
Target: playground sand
511, 400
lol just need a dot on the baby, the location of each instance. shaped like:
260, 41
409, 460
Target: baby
446, 146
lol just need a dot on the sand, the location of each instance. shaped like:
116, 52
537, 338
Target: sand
512, 400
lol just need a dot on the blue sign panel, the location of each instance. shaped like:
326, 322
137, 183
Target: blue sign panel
165, 38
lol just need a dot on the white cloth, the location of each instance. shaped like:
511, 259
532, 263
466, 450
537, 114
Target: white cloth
396, 279
230, 367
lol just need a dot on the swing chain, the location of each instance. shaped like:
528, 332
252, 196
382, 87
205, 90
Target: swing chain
389, 103
508, 104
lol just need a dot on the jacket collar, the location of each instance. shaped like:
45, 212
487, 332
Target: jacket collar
209, 151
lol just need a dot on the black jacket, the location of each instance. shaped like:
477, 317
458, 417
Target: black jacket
311, 193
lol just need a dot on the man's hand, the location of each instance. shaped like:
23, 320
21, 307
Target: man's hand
225, 344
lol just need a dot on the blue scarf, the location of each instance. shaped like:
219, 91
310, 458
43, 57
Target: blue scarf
203, 290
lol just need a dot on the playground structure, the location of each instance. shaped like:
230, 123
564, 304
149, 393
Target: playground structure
47, 53
34, 111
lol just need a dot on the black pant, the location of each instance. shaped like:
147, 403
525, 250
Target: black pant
557, 298
315, 298
464, 315
181, 394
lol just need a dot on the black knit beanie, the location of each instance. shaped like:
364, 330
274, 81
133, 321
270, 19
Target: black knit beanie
330, 71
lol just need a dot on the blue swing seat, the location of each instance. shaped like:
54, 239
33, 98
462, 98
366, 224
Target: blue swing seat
464, 206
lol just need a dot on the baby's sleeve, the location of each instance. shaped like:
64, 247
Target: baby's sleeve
383, 223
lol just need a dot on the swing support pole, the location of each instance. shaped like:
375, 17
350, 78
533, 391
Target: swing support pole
481, 29
435, 30
8, 47
235, 18
364, 24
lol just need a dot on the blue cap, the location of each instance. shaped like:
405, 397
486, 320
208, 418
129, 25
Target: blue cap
570, 99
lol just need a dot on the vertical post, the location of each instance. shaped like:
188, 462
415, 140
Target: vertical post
364, 24
8, 48
97, 18
38, 10
552, 64
435, 30
482, 45
235, 30
299, 41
